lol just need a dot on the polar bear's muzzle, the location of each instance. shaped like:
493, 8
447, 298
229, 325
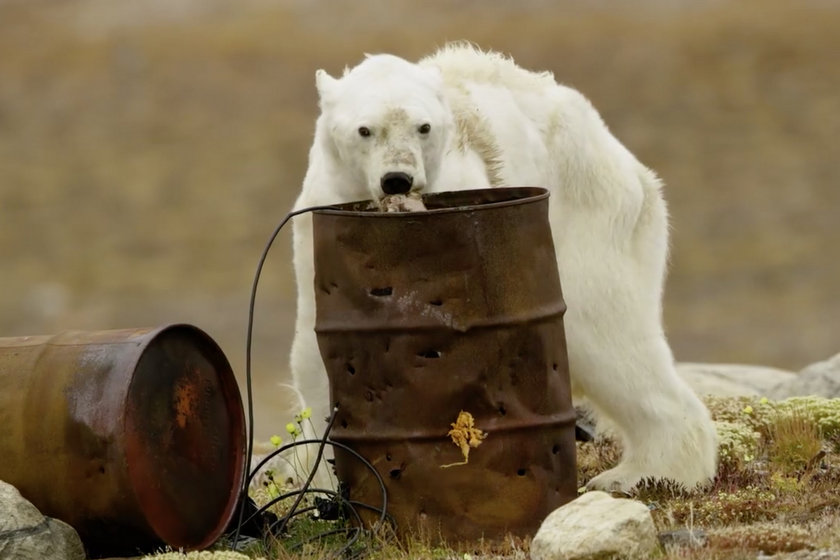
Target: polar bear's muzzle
396, 182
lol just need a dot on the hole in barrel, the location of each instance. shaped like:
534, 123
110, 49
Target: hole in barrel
521, 472
329, 289
501, 408
344, 423
555, 449
554, 366
431, 354
382, 292
350, 369
437, 302
395, 474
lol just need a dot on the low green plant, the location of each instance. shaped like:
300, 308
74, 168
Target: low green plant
794, 440
771, 471
742, 505
738, 444
825, 413
202, 555
769, 538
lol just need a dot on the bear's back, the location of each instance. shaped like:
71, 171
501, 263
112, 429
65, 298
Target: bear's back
462, 62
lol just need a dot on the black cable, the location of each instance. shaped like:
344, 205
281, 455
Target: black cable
248, 342
383, 515
294, 513
248, 474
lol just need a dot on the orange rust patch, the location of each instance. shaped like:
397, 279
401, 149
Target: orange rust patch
185, 402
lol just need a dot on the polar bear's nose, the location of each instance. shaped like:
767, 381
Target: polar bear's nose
396, 182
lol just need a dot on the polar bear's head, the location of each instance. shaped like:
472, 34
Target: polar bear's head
386, 123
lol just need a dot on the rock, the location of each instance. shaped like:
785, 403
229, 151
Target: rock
25, 534
733, 380
596, 525
821, 379
203, 555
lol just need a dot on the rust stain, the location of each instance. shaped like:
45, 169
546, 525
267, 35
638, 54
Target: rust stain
102, 415
458, 308
186, 402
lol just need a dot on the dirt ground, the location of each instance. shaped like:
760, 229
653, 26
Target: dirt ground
147, 149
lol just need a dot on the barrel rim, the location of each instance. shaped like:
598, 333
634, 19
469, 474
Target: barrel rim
229, 385
530, 195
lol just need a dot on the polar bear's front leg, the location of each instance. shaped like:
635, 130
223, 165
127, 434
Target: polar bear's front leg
309, 375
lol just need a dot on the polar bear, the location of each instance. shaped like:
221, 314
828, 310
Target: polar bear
463, 119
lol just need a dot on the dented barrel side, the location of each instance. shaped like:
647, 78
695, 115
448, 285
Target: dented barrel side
422, 315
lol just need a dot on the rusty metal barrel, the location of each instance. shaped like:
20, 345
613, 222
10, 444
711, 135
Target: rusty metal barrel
134, 437
422, 315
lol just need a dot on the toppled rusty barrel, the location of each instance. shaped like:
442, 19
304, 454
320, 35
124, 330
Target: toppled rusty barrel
136, 437
422, 315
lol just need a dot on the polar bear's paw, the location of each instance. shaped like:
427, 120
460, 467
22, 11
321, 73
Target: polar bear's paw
621, 479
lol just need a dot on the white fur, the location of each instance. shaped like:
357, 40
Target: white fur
493, 123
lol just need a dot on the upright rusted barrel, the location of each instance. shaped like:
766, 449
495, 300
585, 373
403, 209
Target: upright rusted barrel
422, 315
134, 437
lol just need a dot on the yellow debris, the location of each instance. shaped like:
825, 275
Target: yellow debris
464, 434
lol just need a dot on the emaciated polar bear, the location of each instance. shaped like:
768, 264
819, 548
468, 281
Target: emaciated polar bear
463, 119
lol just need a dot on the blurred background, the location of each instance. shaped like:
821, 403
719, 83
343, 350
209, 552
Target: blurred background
148, 148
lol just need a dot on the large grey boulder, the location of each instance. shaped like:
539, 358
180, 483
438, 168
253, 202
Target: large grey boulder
821, 379
25, 534
596, 526
733, 380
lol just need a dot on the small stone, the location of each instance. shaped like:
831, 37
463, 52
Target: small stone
595, 526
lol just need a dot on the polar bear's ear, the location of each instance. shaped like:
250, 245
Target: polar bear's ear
326, 84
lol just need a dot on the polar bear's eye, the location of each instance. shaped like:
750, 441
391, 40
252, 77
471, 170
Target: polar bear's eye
424, 128
364, 131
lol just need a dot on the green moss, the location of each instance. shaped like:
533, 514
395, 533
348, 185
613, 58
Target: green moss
737, 443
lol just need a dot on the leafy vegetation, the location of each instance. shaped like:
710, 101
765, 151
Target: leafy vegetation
777, 492
148, 148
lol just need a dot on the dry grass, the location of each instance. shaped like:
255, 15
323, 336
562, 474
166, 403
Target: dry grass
777, 492
148, 148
